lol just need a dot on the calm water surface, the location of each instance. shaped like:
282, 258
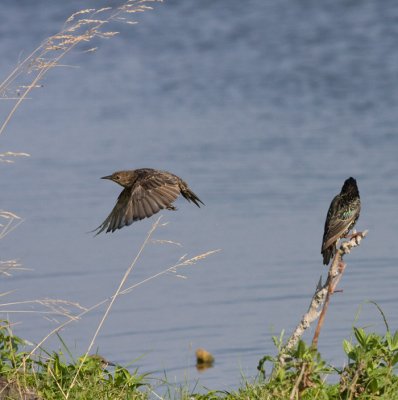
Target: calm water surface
264, 107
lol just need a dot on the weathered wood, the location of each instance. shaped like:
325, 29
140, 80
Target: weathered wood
322, 293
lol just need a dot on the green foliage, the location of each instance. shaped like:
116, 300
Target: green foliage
370, 373
50, 376
303, 369
10, 356
372, 364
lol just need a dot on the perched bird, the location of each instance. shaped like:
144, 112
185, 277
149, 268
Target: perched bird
341, 218
146, 191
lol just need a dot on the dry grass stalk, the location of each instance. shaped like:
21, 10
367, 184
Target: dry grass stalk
6, 267
108, 309
54, 308
8, 222
60, 307
57, 308
321, 292
173, 269
295, 389
47, 307
73, 311
119, 290
5, 157
81, 27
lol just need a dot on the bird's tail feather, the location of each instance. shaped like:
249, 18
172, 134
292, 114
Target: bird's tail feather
191, 196
328, 253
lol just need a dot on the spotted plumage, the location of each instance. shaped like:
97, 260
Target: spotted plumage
342, 215
146, 192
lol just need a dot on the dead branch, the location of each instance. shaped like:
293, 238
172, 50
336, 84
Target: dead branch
321, 293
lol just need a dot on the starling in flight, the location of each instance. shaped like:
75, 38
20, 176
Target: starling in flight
146, 192
341, 218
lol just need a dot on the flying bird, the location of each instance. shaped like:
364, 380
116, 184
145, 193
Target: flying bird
146, 192
342, 215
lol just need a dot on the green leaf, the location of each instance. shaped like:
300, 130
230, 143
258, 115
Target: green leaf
300, 349
348, 347
373, 385
360, 335
394, 341
394, 359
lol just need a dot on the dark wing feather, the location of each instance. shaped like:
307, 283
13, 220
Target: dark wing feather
338, 222
146, 197
120, 215
157, 191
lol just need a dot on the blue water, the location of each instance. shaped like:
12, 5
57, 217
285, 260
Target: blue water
264, 108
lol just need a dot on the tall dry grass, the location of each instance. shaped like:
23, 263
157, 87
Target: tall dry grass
82, 27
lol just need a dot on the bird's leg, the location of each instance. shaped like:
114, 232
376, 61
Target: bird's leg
353, 234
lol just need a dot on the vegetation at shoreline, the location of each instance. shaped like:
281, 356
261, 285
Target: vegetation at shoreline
297, 371
370, 373
49, 375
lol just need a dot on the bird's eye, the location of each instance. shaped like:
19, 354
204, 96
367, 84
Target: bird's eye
117, 177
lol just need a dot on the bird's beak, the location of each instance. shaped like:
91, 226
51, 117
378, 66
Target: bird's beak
107, 177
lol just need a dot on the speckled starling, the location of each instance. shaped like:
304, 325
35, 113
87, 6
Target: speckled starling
146, 192
341, 218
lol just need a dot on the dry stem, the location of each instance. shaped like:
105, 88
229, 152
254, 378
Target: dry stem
108, 309
297, 383
48, 55
12, 221
321, 292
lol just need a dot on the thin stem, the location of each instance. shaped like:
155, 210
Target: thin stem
116, 294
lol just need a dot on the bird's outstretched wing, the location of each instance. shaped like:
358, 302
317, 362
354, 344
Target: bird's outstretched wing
146, 197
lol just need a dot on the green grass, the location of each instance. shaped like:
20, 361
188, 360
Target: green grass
370, 373
50, 375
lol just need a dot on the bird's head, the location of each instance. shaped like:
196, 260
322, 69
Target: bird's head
123, 178
350, 187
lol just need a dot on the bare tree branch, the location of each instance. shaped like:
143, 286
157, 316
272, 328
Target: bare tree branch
322, 293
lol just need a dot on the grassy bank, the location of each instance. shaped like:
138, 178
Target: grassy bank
370, 373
